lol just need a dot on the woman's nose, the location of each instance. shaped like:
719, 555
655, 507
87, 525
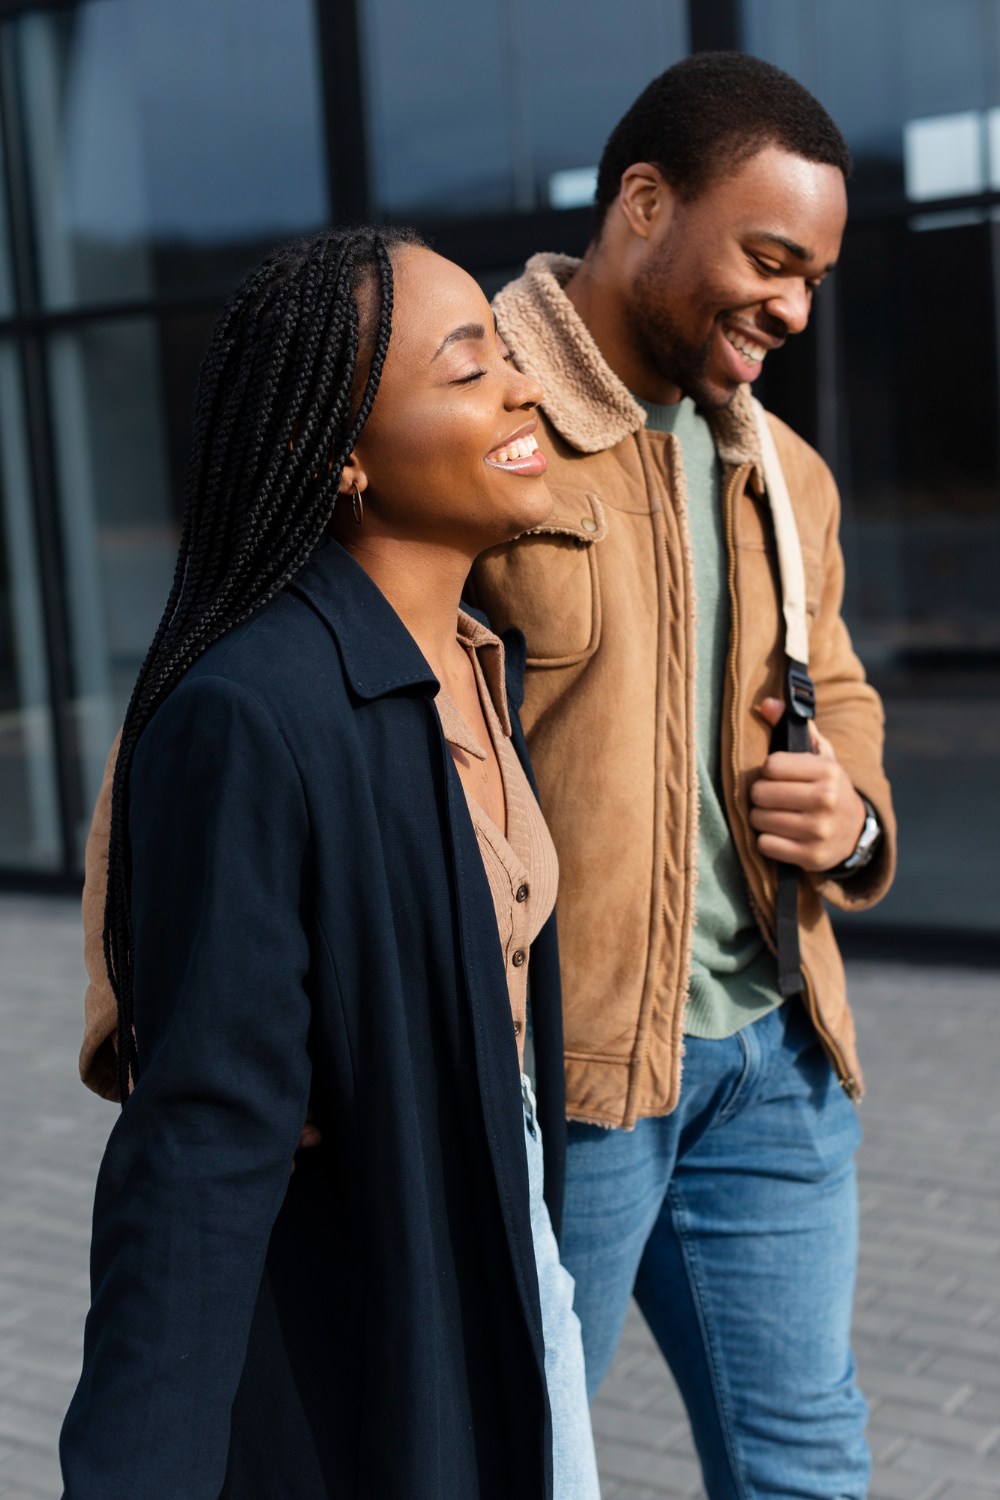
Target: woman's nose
524, 390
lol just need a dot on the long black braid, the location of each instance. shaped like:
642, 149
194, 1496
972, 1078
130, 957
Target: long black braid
274, 426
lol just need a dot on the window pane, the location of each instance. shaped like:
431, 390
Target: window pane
473, 107
922, 537
168, 143
877, 66
122, 394
29, 822
913, 419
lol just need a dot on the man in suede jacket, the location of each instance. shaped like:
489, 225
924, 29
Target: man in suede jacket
713, 1125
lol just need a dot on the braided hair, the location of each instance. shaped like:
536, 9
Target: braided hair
277, 415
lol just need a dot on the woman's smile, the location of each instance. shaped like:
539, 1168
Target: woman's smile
519, 454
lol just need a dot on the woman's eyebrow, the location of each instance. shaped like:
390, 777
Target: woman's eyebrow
460, 336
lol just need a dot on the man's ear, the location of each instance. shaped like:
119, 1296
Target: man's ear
644, 197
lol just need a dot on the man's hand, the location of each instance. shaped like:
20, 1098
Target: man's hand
805, 810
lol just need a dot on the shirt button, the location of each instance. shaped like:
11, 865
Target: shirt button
517, 1028
588, 523
518, 958
522, 893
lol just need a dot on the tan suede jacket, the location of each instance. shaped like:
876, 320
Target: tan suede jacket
604, 595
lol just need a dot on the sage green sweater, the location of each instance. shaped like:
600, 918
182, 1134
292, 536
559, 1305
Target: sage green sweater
733, 974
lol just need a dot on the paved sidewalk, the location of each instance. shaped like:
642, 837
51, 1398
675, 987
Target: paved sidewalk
927, 1318
928, 1315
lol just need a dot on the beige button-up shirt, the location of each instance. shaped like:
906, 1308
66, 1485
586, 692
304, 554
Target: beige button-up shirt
521, 864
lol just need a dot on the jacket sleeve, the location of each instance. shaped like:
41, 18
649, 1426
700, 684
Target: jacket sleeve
197, 1165
97, 1054
849, 712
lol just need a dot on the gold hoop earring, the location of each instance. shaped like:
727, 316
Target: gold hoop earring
357, 504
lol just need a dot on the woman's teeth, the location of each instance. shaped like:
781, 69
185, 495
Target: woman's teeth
521, 448
753, 353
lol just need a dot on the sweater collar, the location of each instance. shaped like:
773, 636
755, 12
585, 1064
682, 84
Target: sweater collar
379, 654
585, 401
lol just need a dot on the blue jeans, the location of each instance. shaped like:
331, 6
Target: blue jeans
735, 1220
574, 1467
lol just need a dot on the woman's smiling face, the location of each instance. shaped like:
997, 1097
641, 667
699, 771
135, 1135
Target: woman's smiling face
449, 453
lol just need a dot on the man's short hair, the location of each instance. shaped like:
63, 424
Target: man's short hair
705, 116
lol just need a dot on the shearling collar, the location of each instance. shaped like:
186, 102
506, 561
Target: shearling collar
584, 399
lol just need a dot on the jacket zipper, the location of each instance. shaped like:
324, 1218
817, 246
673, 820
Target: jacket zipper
847, 1082
644, 1054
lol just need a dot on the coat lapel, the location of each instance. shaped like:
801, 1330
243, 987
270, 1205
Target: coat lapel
379, 654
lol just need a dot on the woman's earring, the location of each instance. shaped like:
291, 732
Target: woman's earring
357, 504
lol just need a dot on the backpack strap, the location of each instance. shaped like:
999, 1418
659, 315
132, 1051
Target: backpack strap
792, 732
790, 565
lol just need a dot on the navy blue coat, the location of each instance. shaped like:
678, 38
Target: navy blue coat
313, 922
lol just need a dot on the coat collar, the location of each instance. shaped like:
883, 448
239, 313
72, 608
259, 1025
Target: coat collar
379, 654
584, 399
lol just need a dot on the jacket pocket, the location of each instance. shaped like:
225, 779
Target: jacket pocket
546, 582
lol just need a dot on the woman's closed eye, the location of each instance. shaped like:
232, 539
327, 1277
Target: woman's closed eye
505, 355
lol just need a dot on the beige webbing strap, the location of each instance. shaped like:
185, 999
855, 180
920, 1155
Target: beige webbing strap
790, 566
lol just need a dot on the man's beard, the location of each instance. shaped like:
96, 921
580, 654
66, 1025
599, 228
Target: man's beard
661, 342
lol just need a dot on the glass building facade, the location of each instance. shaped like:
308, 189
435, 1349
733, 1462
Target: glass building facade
150, 153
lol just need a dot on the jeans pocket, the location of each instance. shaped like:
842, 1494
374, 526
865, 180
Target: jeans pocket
828, 1131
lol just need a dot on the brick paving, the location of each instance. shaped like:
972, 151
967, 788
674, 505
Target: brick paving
927, 1326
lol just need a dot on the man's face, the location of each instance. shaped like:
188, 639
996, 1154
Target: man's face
722, 281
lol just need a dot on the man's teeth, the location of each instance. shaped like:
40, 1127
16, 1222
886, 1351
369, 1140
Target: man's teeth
522, 448
753, 352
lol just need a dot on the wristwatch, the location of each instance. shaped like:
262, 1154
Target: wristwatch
864, 849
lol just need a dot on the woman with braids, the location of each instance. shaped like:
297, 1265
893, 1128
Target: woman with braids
325, 872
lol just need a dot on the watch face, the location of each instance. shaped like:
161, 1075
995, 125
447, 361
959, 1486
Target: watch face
865, 848
866, 843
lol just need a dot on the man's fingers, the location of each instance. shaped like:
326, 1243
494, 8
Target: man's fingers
807, 828
786, 765
771, 710
794, 796
789, 851
819, 744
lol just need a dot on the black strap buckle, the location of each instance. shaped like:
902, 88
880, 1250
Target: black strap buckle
800, 692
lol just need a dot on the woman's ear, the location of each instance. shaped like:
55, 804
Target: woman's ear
353, 477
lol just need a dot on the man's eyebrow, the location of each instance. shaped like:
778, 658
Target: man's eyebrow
460, 336
797, 250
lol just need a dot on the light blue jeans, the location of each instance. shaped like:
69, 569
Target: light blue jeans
574, 1467
735, 1220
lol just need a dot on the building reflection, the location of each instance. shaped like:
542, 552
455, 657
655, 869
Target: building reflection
151, 153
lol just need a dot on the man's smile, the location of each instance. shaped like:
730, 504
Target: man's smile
744, 351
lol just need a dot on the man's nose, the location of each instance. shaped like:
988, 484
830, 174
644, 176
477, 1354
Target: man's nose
792, 306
